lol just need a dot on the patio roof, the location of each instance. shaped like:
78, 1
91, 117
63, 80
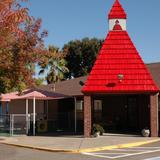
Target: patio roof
33, 93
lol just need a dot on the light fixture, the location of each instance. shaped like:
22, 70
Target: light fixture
120, 77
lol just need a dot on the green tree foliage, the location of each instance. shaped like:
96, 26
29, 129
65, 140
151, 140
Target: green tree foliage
39, 81
81, 55
55, 65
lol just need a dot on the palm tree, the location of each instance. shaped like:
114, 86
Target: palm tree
56, 64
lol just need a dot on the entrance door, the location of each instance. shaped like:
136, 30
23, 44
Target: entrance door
132, 114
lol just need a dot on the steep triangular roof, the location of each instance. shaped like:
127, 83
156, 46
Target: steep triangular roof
117, 11
119, 68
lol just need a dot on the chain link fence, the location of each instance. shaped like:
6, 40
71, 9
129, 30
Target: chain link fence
19, 124
22, 124
5, 124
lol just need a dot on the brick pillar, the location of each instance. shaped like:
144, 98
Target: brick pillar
154, 115
87, 116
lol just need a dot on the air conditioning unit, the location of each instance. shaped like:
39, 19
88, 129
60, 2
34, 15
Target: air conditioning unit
42, 126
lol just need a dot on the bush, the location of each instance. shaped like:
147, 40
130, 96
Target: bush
98, 128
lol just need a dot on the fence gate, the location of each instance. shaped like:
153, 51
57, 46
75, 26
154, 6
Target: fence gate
20, 124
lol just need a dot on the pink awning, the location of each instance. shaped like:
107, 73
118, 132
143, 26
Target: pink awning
33, 93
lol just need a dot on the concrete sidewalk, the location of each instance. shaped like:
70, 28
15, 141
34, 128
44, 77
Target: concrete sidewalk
78, 143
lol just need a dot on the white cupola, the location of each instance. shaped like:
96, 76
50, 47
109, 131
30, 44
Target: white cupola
116, 16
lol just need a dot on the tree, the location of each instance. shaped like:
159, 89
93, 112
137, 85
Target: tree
81, 55
39, 81
55, 64
21, 46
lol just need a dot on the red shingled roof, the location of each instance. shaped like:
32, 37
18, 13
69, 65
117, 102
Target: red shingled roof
117, 11
119, 58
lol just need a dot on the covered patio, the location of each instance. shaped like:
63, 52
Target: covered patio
41, 111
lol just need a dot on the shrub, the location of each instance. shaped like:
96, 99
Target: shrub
98, 128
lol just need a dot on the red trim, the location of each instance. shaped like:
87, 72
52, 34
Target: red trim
122, 92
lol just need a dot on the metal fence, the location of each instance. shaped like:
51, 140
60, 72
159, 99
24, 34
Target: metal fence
14, 124
22, 124
19, 124
5, 124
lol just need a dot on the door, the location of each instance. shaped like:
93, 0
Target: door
132, 114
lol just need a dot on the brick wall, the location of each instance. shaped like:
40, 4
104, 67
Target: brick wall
87, 116
154, 115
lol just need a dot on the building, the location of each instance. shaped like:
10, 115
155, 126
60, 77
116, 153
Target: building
120, 93
73, 88
120, 82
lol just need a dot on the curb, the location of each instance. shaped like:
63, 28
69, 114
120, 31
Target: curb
39, 148
127, 145
119, 146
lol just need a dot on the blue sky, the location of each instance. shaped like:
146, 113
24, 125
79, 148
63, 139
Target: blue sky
68, 20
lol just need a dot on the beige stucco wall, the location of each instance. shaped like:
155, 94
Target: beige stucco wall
3, 107
19, 106
52, 109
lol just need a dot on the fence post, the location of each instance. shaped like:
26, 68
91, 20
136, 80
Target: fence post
10, 125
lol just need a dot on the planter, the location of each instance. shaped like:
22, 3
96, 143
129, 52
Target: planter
96, 134
97, 130
145, 132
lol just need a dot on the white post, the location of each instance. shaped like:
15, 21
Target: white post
34, 116
75, 115
47, 110
27, 116
12, 124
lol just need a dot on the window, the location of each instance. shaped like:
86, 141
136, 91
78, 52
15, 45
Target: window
98, 105
79, 105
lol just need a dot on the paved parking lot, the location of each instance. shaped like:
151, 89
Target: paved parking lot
126, 153
147, 152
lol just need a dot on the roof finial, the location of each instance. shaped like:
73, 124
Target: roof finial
117, 11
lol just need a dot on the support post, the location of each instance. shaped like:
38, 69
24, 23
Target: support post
75, 115
11, 125
154, 115
87, 116
47, 110
27, 117
34, 116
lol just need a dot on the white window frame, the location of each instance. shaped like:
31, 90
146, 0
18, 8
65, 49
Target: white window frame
79, 105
